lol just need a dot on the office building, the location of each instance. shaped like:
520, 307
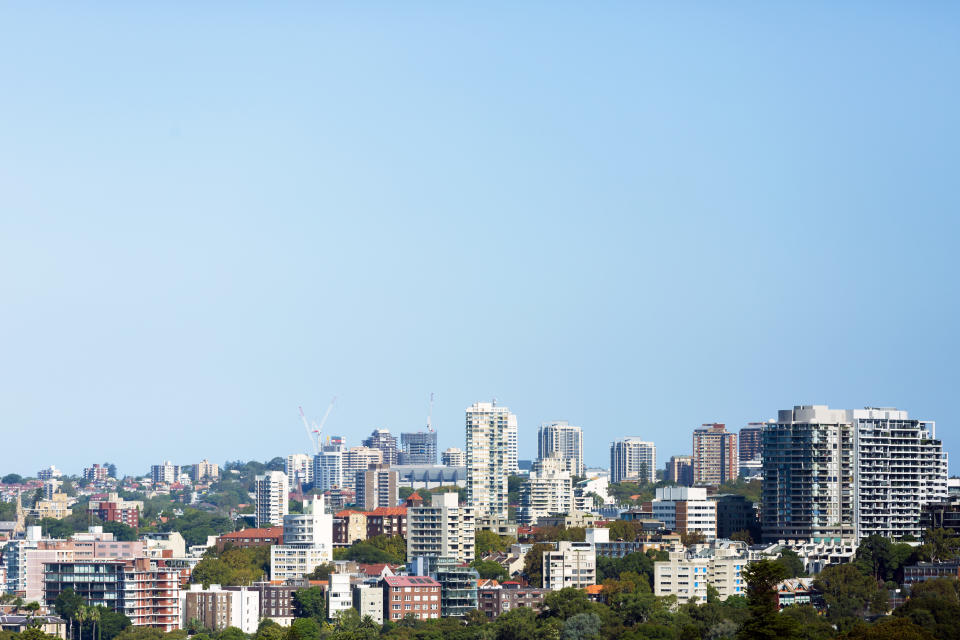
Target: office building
547, 491
307, 542
217, 609
453, 457
751, 442
377, 487
633, 459
386, 443
272, 498
688, 572
735, 513
166, 473
116, 509
572, 564
835, 475
685, 510
358, 459
679, 470
299, 469
418, 448
418, 596
490, 430
715, 455
444, 529
564, 441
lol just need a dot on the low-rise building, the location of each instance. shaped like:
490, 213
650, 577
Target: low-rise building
50, 625
307, 542
685, 510
250, 537
497, 599
116, 509
923, 571
339, 595
387, 521
689, 570
572, 564
410, 595
216, 608
368, 601
349, 526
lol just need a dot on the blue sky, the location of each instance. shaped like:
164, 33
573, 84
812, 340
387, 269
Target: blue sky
636, 217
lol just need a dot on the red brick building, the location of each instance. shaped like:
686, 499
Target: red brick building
116, 509
387, 521
248, 538
508, 596
404, 595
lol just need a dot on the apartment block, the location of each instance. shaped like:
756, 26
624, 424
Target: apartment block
410, 595
453, 457
328, 466
386, 443
349, 526
387, 521
359, 459
418, 448
205, 471
299, 468
116, 509
633, 458
715, 455
685, 510
562, 440
377, 487
166, 473
688, 571
251, 537
368, 601
498, 599
272, 492
458, 587
217, 609
751, 442
444, 529
307, 542
96, 473
339, 595
572, 564
491, 435
547, 491
679, 470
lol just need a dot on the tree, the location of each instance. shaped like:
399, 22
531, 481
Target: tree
517, 624
12, 478
310, 603
269, 630
582, 626
941, 545
742, 535
765, 622
934, 606
890, 629
232, 633
490, 570
120, 531
487, 542
566, 602
849, 594
692, 537
533, 563
304, 629
792, 563
112, 623
321, 571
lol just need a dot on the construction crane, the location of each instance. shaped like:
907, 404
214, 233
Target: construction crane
430, 415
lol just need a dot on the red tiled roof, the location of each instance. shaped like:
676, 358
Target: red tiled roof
268, 532
388, 511
593, 589
411, 581
347, 512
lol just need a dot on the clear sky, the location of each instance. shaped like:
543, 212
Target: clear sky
636, 217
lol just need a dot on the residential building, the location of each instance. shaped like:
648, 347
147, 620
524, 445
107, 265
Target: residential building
377, 487
116, 509
680, 470
205, 471
633, 458
57, 506
562, 440
923, 571
299, 468
166, 473
547, 491
339, 595
941, 515
349, 526
328, 466
387, 521
504, 597
276, 600
307, 542
685, 510
251, 537
688, 572
444, 529
572, 564
751, 442
216, 608
458, 587
386, 443
418, 448
49, 473
368, 601
491, 457
147, 595
359, 459
715, 455
272, 493
96, 473
735, 513
847, 474
48, 624
453, 457
425, 476
410, 595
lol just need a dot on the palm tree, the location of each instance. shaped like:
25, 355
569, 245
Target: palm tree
93, 614
80, 615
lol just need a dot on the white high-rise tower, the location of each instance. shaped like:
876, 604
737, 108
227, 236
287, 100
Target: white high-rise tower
491, 454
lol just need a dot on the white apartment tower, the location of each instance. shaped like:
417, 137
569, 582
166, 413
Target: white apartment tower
328, 467
307, 542
548, 491
299, 468
631, 457
564, 441
443, 529
573, 564
272, 492
359, 459
453, 457
491, 457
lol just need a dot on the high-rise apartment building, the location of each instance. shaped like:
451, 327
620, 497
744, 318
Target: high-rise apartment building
299, 468
217, 608
679, 470
273, 493
846, 474
564, 441
443, 529
573, 564
205, 470
512, 460
377, 487
167, 473
328, 466
307, 542
548, 491
489, 432
96, 473
633, 458
386, 443
751, 441
453, 457
418, 448
715, 455
359, 459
